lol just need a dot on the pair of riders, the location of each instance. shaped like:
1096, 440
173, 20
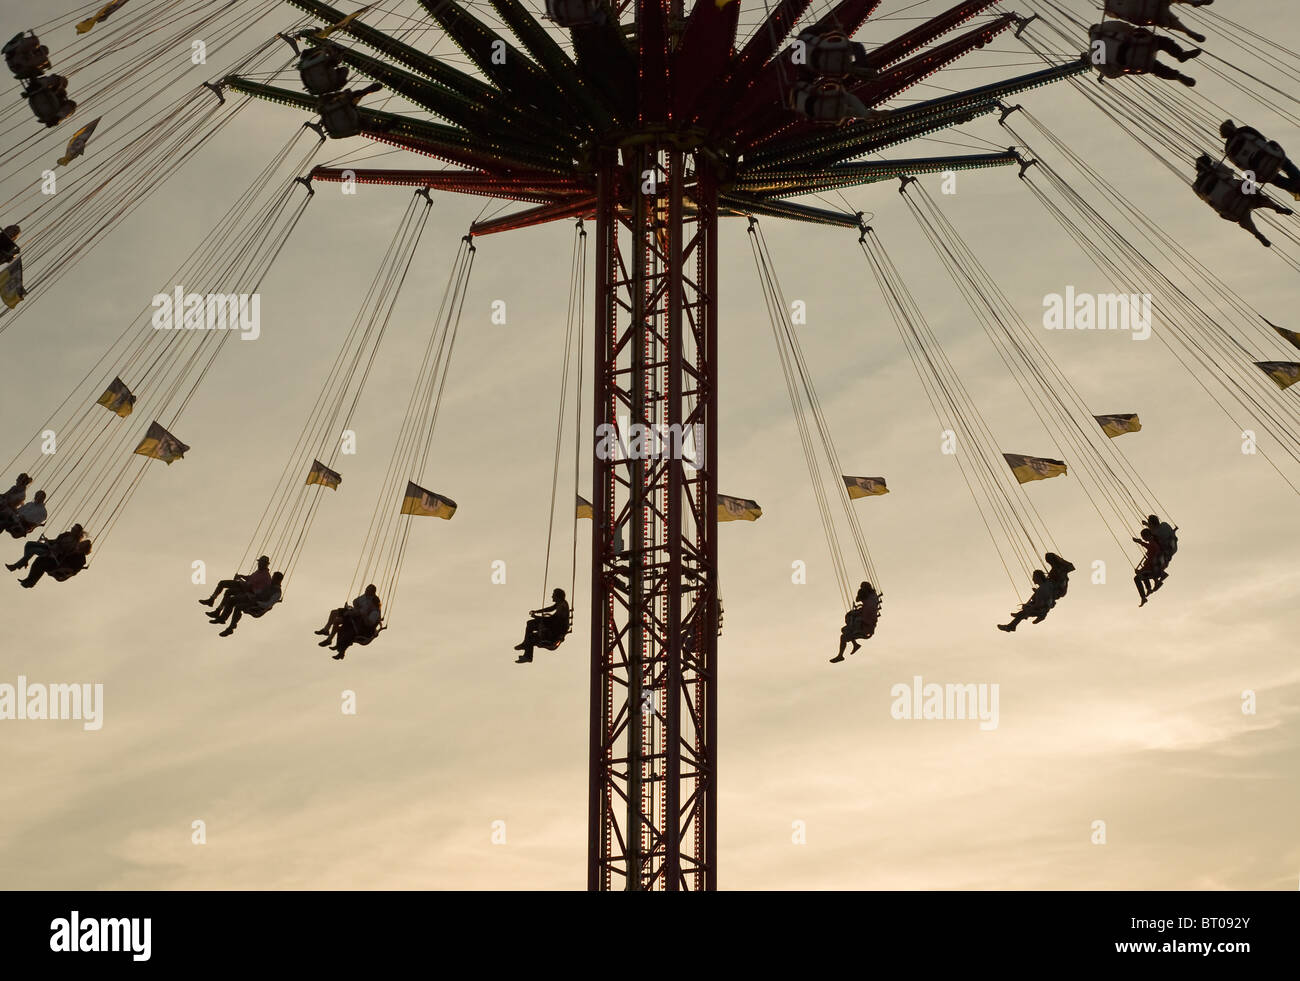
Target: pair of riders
860, 622
1160, 540
359, 622
253, 594
1263, 161
18, 518
60, 558
1049, 587
47, 95
1118, 49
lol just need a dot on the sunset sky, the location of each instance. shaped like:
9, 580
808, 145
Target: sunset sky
1107, 712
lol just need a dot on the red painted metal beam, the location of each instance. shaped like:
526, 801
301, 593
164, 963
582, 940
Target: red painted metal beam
903, 76
580, 208
919, 37
746, 67
655, 86
847, 17
702, 56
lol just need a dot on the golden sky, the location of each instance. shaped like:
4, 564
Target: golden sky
1107, 712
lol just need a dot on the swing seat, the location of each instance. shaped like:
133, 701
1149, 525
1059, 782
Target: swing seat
48, 101
860, 623
321, 72
551, 645
576, 13
1269, 158
365, 639
260, 611
832, 55
339, 115
26, 57
1143, 12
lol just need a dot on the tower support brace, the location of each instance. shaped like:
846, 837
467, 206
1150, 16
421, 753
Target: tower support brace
652, 809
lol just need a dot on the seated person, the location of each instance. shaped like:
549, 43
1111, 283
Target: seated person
1118, 49
357, 623
13, 498
48, 98
1058, 572
8, 243
25, 56
545, 627
1166, 535
254, 603
57, 566
860, 622
1218, 186
1154, 13
26, 519
251, 583
1150, 575
1038, 605
62, 546
1265, 159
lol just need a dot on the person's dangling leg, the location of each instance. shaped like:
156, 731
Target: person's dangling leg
1169, 46
1139, 580
238, 612
530, 639
1172, 22
225, 584
531, 629
1158, 579
1170, 74
1289, 179
41, 566
222, 613
1016, 618
30, 551
1248, 223
331, 628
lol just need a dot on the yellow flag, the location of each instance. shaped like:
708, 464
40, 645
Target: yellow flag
585, 510
325, 32
419, 501
104, 13
117, 398
323, 475
865, 487
11, 283
77, 145
1027, 468
738, 509
159, 444
1119, 424
1284, 373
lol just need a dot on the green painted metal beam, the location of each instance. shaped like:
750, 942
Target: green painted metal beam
794, 183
